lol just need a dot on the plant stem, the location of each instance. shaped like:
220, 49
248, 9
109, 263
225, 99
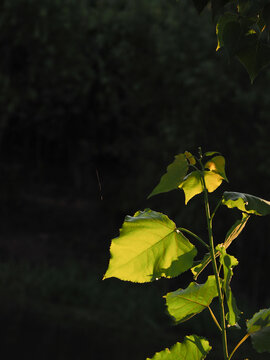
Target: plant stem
195, 236
240, 343
214, 264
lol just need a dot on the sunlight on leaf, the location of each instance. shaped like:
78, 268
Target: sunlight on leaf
175, 174
183, 304
149, 247
192, 348
229, 262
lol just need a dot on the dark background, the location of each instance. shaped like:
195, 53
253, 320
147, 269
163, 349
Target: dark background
96, 98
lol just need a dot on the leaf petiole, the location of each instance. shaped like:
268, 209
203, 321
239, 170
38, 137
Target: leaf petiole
237, 346
214, 318
195, 236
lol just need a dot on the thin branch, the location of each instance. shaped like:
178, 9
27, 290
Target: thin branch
237, 346
214, 318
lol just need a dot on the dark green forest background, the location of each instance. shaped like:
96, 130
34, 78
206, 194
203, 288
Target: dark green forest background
96, 97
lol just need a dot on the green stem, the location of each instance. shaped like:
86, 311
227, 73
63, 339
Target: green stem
215, 269
214, 212
195, 236
240, 343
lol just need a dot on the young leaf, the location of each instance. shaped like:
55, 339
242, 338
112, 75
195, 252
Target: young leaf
246, 203
192, 348
183, 304
149, 247
192, 184
175, 174
217, 165
229, 262
259, 329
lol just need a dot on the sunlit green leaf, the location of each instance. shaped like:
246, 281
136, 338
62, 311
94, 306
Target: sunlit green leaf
192, 348
201, 265
175, 174
229, 262
259, 329
149, 247
192, 183
190, 158
183, 304
217, 165
246, 203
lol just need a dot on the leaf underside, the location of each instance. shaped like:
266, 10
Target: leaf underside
149, 247
192, 348
246, 203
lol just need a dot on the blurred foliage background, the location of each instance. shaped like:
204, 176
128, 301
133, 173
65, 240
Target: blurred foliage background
96, 97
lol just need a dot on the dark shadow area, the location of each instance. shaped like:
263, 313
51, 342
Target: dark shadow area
96, 98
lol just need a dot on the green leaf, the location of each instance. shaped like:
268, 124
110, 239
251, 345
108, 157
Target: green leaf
211, 153
192, 185
217, 165
175, 174
149, 247
259, 329
246, 203
229, 262
254, 55
192, 348
183, 304
201, 265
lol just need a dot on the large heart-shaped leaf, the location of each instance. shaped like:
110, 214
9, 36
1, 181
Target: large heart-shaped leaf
229, 262
183, 304
246, 203
259, 329
149, 247
192, 348
175, 174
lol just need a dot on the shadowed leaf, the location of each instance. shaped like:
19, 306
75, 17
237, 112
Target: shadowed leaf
259, 329
246, 203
